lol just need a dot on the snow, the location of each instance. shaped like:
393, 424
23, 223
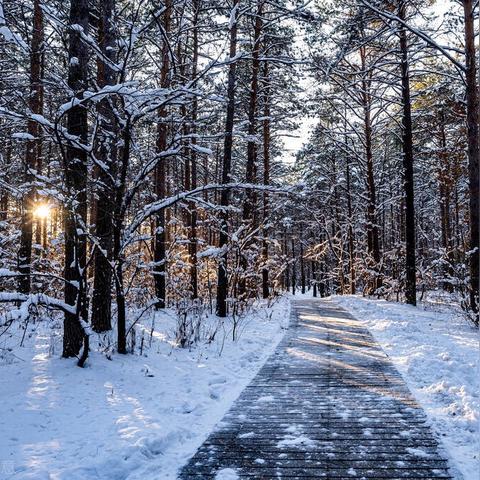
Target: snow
226, 474
295, 438
200, 149
132, 417
23, 136
7, 34
296, 441
418, 452
139, 417
266, 399
437, 353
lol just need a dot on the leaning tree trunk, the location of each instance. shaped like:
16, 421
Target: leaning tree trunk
106, 152
473, 150
159, 270
34, 147
410, 269
222, 278
76, 182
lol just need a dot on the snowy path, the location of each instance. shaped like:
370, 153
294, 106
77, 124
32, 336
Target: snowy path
327, 404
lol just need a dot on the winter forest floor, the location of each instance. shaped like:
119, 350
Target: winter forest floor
133, 417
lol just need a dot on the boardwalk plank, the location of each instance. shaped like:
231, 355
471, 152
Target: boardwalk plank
328, 403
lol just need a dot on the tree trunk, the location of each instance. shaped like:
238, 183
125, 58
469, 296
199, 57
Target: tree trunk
106, 152
410, 268
294, 273
286, 275
444, 187
473, 151
373, 243
314, 278
351, 240
222, 279
249, 205
119, 216
192, 244
159, 270
302, 270
76, 182
33, 150
266, 175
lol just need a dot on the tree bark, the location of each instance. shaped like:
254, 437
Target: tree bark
106, 153
473, 151
294, 273
222, 279
266, 176
192, 244
373, 243
76, 182
117, 238
159, 270
302, 270
250, 196
351, 238
249, 205
407, 143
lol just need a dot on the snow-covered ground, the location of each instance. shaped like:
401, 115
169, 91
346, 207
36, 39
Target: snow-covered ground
131, 417
437, 353
139, 417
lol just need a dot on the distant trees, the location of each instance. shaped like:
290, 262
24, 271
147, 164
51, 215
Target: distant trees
363, 42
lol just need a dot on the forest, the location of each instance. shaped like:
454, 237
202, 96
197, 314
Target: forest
192, 161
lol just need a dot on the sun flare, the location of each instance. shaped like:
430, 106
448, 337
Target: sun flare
42, 211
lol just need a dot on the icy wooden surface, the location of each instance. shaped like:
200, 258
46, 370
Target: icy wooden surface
327, 404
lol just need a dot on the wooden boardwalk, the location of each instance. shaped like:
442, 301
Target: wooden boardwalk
327, 404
